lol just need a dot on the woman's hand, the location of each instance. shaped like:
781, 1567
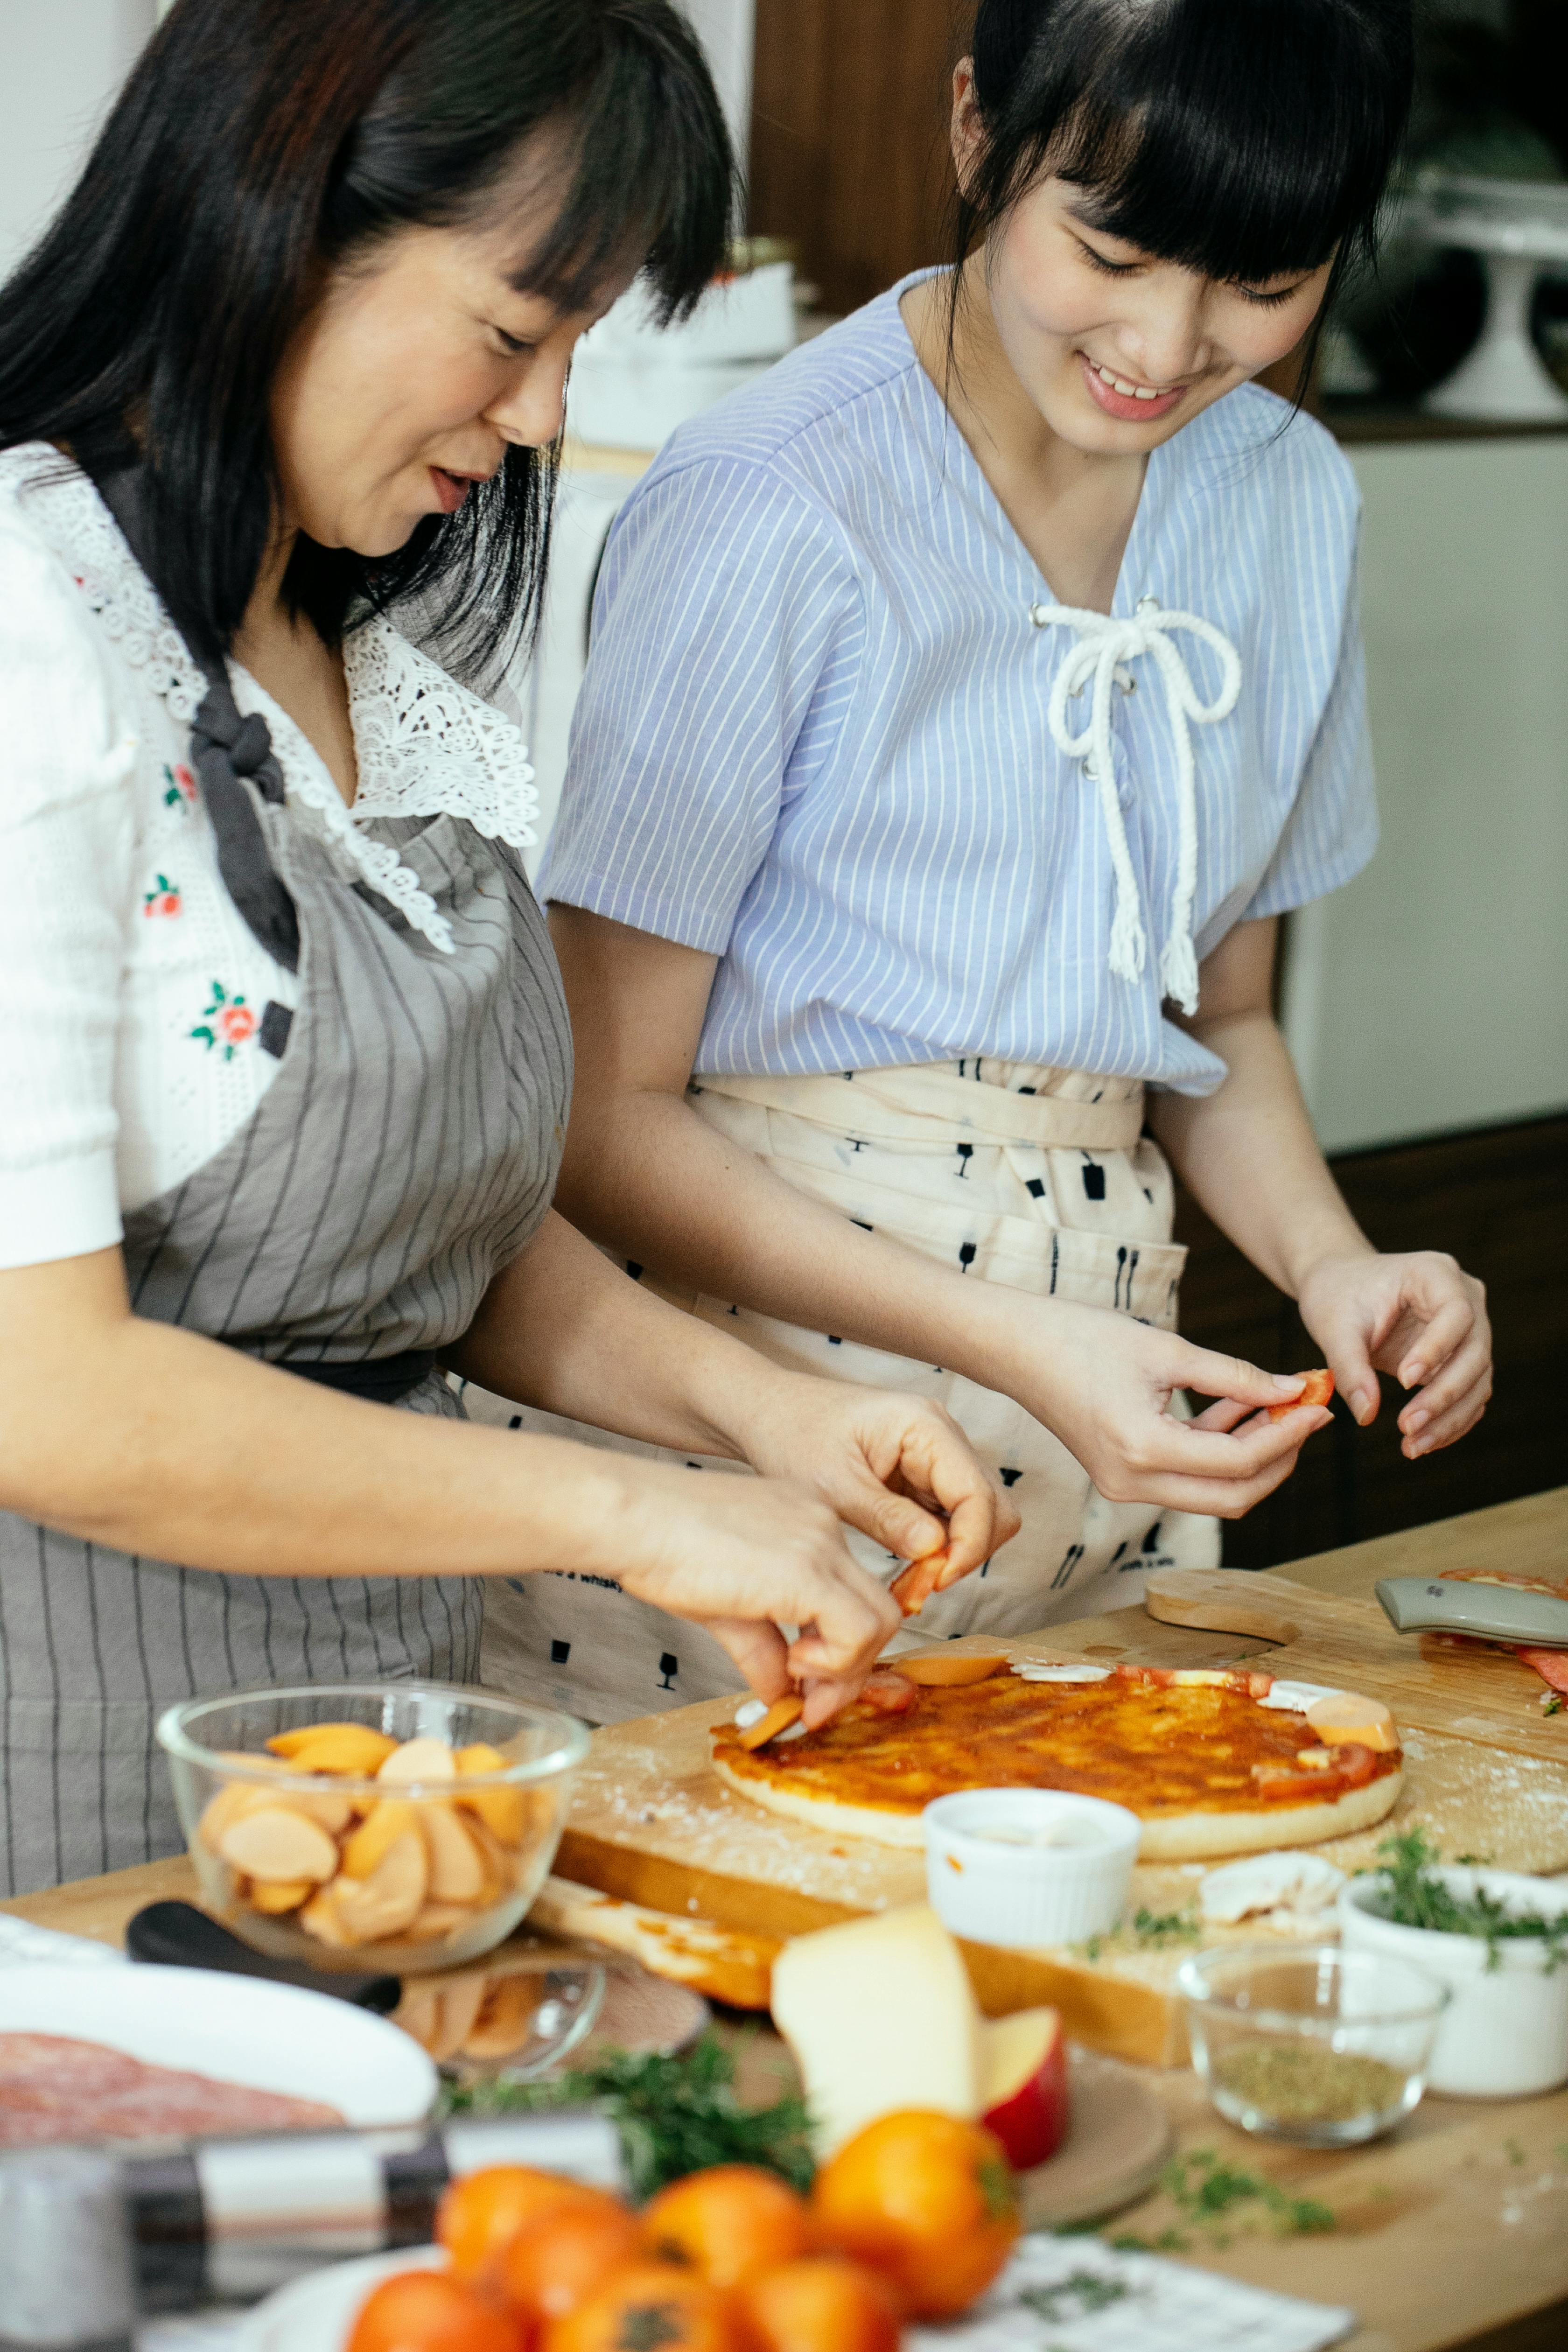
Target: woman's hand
1418, 1316
899, 1469
1103, 1384
743, 1557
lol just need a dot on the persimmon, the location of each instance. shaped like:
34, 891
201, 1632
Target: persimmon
430, 2311
653, 2307
479, 2217
823, 2304
564, 2256
728, 2223
927, 2201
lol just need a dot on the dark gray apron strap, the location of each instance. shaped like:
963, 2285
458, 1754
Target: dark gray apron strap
225, 747
385, 1379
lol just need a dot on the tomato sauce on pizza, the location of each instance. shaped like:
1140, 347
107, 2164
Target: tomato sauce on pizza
1202, 1755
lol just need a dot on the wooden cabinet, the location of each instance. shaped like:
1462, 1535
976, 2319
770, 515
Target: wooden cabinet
849, 137
1498, 1201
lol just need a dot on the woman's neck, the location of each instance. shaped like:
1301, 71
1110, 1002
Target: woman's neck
283, 653
1073, 509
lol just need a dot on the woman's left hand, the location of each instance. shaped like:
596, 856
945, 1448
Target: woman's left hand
1418, 1316
899, 1469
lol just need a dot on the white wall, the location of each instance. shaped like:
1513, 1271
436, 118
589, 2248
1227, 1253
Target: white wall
61, 62
726, 29
1431, 993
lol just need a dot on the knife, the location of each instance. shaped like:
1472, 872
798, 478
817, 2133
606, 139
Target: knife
178, 1936
1492, 1612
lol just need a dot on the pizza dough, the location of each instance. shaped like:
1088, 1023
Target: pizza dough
1181, 1756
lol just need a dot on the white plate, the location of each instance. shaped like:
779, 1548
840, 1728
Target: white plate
271, 2037
316, 2314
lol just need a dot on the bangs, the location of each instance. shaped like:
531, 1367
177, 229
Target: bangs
652, 184
1242, 139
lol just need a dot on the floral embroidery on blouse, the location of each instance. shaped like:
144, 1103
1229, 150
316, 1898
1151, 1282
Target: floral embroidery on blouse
227, 1023
182, 787
165, 899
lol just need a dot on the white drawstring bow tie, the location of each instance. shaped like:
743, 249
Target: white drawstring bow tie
1104, 648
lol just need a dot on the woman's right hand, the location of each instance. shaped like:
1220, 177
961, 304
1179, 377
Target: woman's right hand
1103, 1383
743, 1556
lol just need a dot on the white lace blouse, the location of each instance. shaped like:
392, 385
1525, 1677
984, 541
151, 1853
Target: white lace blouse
130, 990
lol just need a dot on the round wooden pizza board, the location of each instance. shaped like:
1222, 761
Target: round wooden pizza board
1118, 2144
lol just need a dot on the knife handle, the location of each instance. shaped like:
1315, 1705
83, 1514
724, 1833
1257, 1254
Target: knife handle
178, 1936
1489, 1613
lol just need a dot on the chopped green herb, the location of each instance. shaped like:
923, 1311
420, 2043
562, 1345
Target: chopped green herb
1515, 2153
1205, 2189
675, 2115
1087, 2289
1166, 1928
1552, 1703
1418, 1897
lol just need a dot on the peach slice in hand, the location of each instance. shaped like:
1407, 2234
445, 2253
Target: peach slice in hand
1316, 1390
779, 1716
913, 1586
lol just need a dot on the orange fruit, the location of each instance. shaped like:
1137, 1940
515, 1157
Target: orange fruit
429, 2311
478, 2218
567, 2254
928, 2201
729, 2223
821, 2304
653, 2307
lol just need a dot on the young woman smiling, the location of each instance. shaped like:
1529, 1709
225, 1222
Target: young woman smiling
283, 1053
968, 701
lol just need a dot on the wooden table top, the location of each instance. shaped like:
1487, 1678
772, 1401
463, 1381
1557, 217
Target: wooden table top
1452, 2233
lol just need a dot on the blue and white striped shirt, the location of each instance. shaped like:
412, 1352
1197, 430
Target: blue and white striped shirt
813, 737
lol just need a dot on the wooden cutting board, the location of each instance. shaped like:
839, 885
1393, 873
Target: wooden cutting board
650, 1821
1321, 1637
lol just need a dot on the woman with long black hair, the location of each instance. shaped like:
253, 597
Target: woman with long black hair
969, 700
283, 1053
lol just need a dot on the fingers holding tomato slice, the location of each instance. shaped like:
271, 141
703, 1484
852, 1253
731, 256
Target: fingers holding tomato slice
1317, 1390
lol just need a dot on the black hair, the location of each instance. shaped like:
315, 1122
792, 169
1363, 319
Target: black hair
1243, 138
258, 142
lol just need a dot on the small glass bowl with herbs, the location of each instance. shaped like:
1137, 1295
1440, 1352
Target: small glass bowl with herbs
1308, 2043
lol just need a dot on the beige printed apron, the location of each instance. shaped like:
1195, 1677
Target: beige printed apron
1041, 1179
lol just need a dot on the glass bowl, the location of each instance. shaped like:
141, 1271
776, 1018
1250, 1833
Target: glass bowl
356, 1848
1308, 2042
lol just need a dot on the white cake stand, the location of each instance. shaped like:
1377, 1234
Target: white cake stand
1518, 226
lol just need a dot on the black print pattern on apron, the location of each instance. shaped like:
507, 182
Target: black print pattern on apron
406, 1149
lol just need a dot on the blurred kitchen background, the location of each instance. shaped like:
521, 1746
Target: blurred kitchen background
1427, 1005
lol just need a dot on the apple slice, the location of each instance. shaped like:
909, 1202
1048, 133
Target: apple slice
1024, 2098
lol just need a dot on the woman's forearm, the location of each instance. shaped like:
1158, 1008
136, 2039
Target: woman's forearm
565, 1329
1249, 1157
166, 1445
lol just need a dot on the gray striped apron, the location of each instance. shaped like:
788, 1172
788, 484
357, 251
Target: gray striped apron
406, 1149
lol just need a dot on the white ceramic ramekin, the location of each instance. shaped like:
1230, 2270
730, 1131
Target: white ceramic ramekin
1505, 2031
992, 1877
